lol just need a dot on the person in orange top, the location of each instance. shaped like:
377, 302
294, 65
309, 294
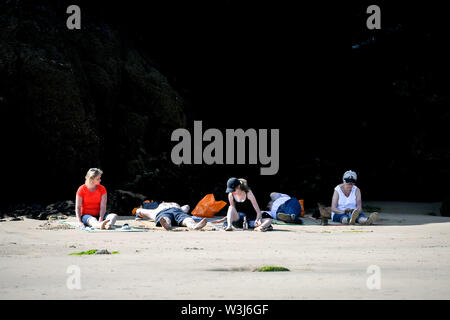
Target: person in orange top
90, 203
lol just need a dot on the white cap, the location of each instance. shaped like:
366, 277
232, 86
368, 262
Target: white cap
350, 175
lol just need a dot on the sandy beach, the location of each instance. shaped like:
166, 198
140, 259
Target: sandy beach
409, 248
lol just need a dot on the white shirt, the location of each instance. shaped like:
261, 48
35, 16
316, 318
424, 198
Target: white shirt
282, 198
345, 202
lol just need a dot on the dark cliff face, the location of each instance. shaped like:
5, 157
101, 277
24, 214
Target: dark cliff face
71, 100
111, 94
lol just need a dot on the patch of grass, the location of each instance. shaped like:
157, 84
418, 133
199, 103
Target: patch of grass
271, 269
115, 252
93, 251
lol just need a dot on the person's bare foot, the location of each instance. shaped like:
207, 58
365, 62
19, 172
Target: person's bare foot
260, 229
108, 225
166, 225
229, 228
201, 224
101, 225
354, 216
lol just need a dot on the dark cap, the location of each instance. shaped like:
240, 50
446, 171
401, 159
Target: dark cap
232, 183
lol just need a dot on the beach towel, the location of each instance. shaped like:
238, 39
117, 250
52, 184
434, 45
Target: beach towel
115, 228
310, 221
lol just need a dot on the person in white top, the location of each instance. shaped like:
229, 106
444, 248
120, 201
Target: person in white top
346, 205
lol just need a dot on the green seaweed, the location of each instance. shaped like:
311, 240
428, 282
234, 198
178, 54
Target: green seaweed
93, 251
271, 269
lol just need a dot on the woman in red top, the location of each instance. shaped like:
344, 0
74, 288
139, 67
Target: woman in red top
90, 203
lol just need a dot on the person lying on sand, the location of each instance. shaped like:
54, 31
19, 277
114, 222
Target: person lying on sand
243, 204
168, 214
90, 203
346, 205
285, 208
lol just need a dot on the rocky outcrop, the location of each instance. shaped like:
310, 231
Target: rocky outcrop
445, 207
122, 202
54, 211
71, 100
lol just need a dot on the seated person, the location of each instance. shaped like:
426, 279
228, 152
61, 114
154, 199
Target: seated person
90, 203
346, 205
168, 214
283, 207
243, 204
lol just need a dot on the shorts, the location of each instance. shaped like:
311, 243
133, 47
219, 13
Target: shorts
292, 207
176, 216
86, 217
250, 219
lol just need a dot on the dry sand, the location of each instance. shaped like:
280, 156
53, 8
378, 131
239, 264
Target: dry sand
411, 248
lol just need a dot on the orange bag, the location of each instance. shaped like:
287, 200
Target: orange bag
303, 208
208, 206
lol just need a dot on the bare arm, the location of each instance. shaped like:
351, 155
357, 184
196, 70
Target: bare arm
230, 208
231, 200
358, 200
252, 199
334, 203
151, 213
78, 203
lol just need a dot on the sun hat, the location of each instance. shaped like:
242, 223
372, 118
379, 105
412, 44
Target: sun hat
350, 177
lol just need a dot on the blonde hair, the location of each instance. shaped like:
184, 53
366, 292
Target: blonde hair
244, 185
92, 174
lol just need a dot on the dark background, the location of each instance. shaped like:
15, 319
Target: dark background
110, 95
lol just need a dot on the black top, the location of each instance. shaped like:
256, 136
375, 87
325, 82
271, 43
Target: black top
245, 207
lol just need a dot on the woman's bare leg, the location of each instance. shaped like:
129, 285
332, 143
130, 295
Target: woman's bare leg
264, 224
93, 222
190, 223
146, 213
232, 215
111, 220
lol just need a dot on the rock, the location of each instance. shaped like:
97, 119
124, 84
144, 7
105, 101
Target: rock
42, 216
445, 207
16, 219
122, 202
112, 105
104, 251
57, 217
